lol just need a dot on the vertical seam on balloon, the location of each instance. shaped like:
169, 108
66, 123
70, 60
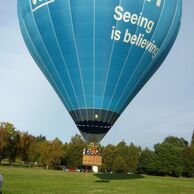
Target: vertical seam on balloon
158, 51
108, 71
42, 61
136, 65
144, 1
107, 74
142, 58
139, 60
50, 17
94, 55
145, 77
112, 117
45, 69
152, 62
71, 18
50, 58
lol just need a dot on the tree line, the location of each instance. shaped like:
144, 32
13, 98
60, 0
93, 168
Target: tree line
172, 157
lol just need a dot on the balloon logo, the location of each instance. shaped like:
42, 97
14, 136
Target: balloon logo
158, 2
97, 55
34, 2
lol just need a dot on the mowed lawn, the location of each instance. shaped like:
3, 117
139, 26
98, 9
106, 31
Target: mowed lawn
40, 181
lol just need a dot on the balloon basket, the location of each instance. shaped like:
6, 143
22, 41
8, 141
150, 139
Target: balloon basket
92, 160
91, 156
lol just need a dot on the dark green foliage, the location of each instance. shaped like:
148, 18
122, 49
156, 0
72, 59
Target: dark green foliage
147, 162
3, 143
169, 159
130, 154
192, 139
109, 154
188, 155
74, 150
178, 142
133, 157
119, 165
122, 150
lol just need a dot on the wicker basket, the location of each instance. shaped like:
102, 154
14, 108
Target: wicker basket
92, 160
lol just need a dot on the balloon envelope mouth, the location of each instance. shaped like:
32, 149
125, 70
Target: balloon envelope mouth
94, 124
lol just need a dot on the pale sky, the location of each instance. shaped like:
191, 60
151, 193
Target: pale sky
165, 106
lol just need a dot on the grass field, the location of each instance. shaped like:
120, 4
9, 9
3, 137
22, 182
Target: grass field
40, 181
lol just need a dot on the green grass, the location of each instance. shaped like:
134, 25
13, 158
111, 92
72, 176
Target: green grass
40, 181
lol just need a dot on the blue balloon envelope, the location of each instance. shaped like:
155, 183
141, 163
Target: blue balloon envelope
98, 54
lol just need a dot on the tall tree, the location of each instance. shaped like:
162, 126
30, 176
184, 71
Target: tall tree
119, 165
3, 143
169, 159
34, 152
109, 154
133, 157
74, 151
178, 142
147, 162
122, 150
192, 139
45, 153
13, 141
26, 141
188, 156
57, 152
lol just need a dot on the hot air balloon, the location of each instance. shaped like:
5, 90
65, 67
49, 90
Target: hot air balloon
98, 54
